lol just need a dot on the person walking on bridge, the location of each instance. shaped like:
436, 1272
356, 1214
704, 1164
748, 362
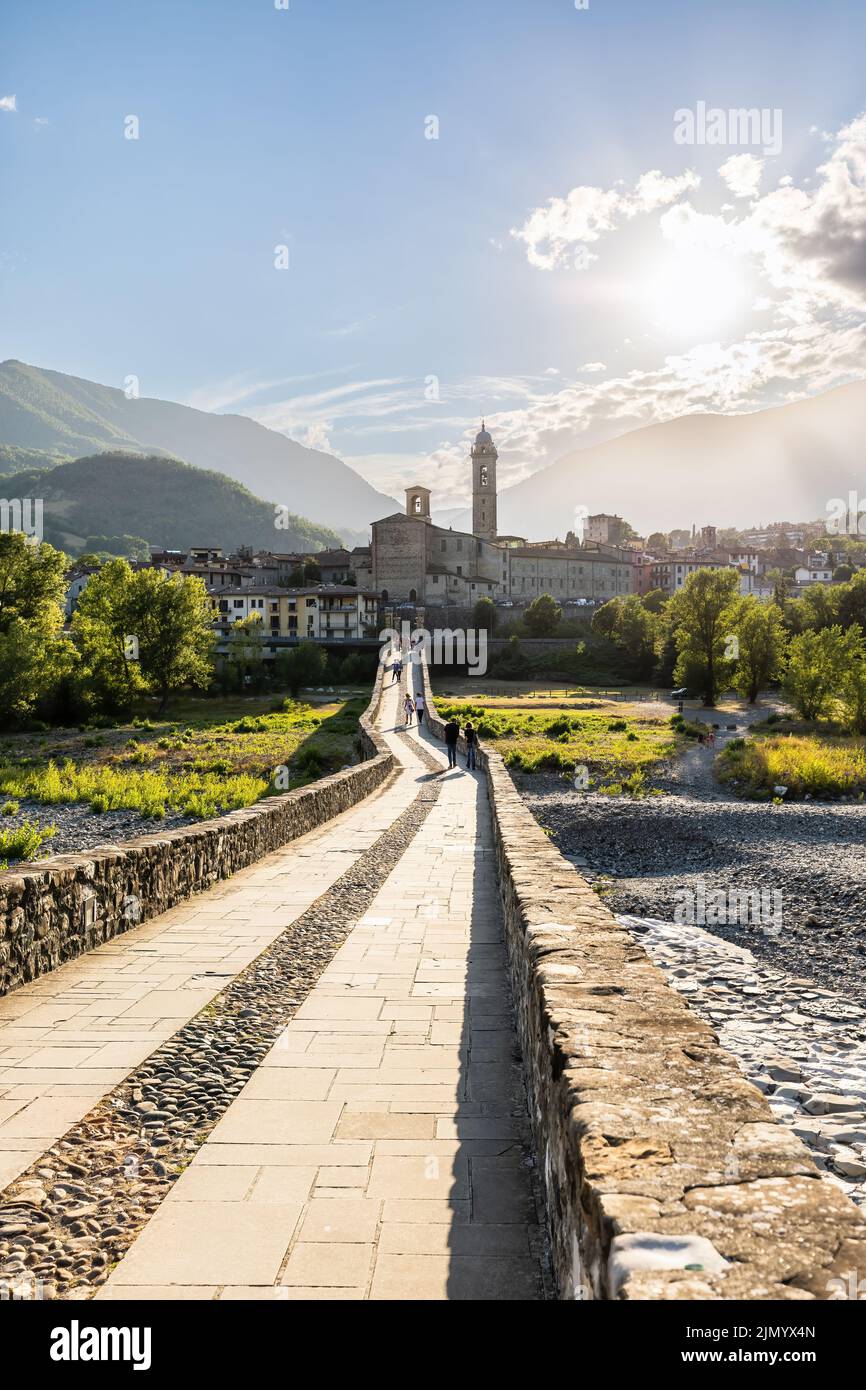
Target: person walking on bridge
419, 709
408, 709
471, 738
452, 733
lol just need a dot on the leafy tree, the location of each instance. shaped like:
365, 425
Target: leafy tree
304, 665
816, 610
842, 573
131, 547
627, 623
760, 634
817, 667
110, 676
852, 601
657, 541
173, 622
169, 618
655, 600
34, 655
245, 653
854, 691
303, 576
779, 582
702, 616
542, 616
484, 616
604, 619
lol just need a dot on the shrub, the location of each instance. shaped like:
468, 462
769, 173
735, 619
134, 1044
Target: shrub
25, 841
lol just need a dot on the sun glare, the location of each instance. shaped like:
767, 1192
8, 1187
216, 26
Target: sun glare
695, 294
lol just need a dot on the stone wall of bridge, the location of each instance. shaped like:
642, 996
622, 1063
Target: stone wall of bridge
55, 909
665, 1173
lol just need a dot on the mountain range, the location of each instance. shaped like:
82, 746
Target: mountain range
782, 463
47, 416
159, 500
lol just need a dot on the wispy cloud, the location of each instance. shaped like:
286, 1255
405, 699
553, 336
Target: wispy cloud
8, 104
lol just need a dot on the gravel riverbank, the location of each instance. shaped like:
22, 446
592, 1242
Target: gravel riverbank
79, 828
652, 852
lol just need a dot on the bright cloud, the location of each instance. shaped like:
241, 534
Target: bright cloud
8, 104
557, 234
742, 174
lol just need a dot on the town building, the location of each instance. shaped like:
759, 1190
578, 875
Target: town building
413, 561
321, 612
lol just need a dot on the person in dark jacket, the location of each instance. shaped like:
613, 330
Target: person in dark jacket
452, 733
471, 738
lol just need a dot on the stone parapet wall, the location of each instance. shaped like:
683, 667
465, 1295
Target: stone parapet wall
57, 908
665, 1173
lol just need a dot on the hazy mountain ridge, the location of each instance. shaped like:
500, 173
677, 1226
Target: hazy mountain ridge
166, 502
781, 463
50, 411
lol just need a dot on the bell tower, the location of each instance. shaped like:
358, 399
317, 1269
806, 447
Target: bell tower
484, 458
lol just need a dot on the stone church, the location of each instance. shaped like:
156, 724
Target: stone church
415, 561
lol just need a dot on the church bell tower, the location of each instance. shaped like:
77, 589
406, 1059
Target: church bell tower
484, 458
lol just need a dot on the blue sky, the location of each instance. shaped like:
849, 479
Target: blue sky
262, 127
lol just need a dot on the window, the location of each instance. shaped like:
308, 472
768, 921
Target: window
443, 546
483, 475
459, 569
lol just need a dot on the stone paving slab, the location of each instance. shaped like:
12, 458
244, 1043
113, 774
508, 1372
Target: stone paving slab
372, 1155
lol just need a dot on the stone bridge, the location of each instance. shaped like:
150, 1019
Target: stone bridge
376, 1040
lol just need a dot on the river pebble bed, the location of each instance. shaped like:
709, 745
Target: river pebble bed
79, 829
649, 856
802, 1045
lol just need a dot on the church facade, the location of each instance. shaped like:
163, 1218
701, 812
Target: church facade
415, 561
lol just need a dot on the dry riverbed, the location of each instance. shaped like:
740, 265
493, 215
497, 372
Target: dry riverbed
645, 855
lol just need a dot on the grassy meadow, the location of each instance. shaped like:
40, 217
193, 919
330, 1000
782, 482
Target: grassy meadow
618, 743
807, 760
212, 756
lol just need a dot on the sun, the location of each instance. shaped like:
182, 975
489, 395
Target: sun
695, 294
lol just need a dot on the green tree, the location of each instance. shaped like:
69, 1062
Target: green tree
304, 665
34, 655
816, 610
655, 600
817, 667
542, 616
701, 612
779, 582
627, 623
484, 616
760, 633
852, 601
144, 630
854, 688
111, 677
245, 653
604, 619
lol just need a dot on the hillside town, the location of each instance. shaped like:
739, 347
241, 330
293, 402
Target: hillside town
412, 563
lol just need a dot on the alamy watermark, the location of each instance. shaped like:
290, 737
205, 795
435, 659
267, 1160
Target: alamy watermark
712, 125
846, 516
22, 514
444, 646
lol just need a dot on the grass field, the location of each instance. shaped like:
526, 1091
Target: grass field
807, 761
618, 744
218, 756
